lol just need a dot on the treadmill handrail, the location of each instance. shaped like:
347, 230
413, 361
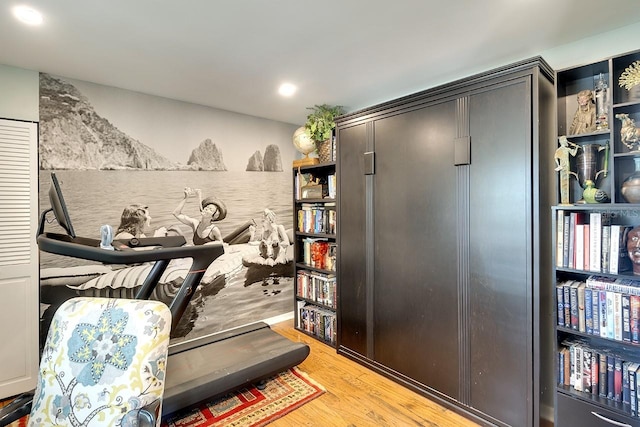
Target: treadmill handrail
89, 249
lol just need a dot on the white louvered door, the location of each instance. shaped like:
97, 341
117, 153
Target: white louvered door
19, 286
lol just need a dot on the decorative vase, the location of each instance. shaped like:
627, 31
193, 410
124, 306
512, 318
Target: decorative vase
630, 188
325, 150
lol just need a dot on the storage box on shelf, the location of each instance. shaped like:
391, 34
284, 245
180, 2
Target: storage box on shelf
315, 223
597, 293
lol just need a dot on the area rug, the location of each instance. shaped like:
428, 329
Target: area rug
252, 407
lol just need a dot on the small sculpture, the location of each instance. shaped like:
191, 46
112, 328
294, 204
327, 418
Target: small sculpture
584, 121
629, 133
564, 167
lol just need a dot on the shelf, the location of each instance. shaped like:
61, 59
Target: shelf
319, 304
315, 213
612, 301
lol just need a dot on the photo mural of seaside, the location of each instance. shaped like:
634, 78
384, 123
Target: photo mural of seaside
111, 148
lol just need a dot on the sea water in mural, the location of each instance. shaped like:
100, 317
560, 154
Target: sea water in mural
102, 169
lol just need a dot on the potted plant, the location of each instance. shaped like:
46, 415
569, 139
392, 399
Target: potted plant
319, 126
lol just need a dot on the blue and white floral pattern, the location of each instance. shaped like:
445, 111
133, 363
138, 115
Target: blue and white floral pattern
103, 360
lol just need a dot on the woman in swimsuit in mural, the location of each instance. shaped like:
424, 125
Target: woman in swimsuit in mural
211, 211
134, 219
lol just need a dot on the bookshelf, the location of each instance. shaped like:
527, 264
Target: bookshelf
597, 294
315, 250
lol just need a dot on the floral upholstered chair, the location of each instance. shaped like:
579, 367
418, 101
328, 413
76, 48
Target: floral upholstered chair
103, 364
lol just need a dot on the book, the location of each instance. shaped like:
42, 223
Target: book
606, 248
626, 317
602, 374
586, 246
595, 241
617, 379
560, 304
577, 361
610, 376
572, 238
602, 309
610, 319
633, 387
573, 301
566, 287
565, 241
586, 369
582, 319
617, 316
625, 383
595, 370
559, 237
634, 318
588, 310
595, 312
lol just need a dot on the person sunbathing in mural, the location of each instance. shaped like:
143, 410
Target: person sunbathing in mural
133, 221
273, 239
211, 210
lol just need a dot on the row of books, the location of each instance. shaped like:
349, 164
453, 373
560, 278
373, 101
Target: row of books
599, 373
317, 321
588, 241
317, 287
319, 253
317, 218
601, 306
328, 185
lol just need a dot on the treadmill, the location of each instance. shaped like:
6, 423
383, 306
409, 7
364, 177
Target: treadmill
197, 369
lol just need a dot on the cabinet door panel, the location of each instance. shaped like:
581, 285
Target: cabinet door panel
415, 291
500, 270
351, 246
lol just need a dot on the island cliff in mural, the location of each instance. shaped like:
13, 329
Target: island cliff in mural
113, 148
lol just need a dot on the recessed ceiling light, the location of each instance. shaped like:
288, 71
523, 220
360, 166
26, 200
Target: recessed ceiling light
27, 15
287, 89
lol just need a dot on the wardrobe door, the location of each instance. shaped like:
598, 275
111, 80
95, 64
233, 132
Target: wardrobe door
500, 252
352, 297
415, 247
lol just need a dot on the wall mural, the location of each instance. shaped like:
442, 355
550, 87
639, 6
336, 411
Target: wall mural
124, 158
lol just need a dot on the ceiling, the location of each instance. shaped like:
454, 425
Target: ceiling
233, 54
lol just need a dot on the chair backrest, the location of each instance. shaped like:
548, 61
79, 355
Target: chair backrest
103, 364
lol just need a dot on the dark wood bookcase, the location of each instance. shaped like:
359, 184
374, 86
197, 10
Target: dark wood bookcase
585, 344
315, 224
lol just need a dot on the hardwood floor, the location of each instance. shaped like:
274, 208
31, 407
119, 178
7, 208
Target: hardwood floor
357, 396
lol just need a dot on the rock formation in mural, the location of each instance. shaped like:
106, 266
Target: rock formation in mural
207, 157
255, 163
272, 159
74, 136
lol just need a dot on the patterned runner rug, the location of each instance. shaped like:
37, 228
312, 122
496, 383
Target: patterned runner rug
252, 407
249, 407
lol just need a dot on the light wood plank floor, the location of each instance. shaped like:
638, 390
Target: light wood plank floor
357, 396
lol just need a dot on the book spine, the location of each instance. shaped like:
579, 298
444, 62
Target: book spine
588, 312
565, 245
595, 243
582, 320
575, 317
602, 308
626, 318
605, 248
634, 318
615, 248
595, 295
559, 237
560, 304
617, 316
602, 373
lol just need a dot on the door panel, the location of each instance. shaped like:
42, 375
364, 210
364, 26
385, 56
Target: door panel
352, 290
500, 323
415, 268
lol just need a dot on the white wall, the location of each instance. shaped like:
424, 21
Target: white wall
593, 49
19, 93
